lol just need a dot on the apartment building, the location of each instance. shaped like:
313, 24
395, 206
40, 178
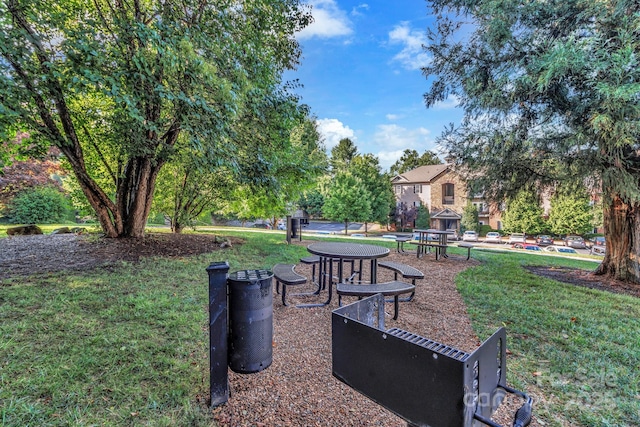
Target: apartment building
443, 193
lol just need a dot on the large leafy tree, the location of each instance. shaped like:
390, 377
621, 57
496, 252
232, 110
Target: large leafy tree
118, 82
410, 159
570, 213
368, 169
347, 200
290, 171
551, 93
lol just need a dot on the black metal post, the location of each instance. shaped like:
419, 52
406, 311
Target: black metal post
218, 330
289, 229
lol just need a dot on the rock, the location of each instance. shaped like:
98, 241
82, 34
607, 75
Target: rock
24, 230
61, 230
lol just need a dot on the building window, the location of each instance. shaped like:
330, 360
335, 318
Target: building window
447, 194
417, 188
417, 204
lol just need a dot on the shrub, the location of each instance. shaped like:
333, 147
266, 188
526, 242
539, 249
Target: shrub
39, 205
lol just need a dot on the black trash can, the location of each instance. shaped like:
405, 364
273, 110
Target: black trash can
250, 320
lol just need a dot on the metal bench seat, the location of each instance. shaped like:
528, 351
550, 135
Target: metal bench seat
285, 274
468, 247
394, 289
406, 271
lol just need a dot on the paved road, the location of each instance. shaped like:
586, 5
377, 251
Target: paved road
332, 227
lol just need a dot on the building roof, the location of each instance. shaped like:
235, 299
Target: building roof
421, 174
446, 213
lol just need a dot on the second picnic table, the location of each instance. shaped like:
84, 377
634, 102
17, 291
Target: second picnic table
440, 246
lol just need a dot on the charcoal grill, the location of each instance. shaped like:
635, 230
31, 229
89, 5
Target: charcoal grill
425, 382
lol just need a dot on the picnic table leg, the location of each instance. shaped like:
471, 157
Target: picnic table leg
322, 276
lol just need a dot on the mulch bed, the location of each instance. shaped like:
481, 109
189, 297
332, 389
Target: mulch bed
587, 279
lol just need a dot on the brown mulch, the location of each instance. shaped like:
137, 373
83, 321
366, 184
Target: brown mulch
586, 279
298, 389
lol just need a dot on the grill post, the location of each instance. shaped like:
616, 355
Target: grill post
218, 320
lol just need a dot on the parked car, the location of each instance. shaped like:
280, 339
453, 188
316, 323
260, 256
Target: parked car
517, 238
263, 225
526, 246
597, 241
560, 249
453, 234
430, 237
598, 250
493, 237
544, 240
574, 242
470, 236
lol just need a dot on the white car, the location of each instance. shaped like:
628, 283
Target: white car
493, 237
470, 236
517, 238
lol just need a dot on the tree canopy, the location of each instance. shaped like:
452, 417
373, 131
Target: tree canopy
347, 200
116, 84
382, 200
550, 92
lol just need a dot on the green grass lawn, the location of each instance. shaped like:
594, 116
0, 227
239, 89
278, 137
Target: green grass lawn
128, 346
578, 347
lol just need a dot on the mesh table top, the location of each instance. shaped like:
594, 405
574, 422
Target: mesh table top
347, 250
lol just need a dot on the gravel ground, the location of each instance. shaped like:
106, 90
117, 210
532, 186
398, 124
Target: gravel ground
298, 389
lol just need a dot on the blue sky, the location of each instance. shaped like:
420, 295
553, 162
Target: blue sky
361, 75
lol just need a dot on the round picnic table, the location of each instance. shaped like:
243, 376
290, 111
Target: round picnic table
337, 252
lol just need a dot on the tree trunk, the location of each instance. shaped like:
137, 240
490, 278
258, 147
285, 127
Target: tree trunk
346, 228
622, 234
176, 227
134, 195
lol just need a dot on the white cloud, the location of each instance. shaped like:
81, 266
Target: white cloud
328, 21
393, 140
392, 117
333, 130
412, 56
401, 138
356, 10
451, 102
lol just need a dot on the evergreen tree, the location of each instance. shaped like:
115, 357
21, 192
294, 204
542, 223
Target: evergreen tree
469, 219
423, 218
523, 214
342, 155
550, 92
570, 213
